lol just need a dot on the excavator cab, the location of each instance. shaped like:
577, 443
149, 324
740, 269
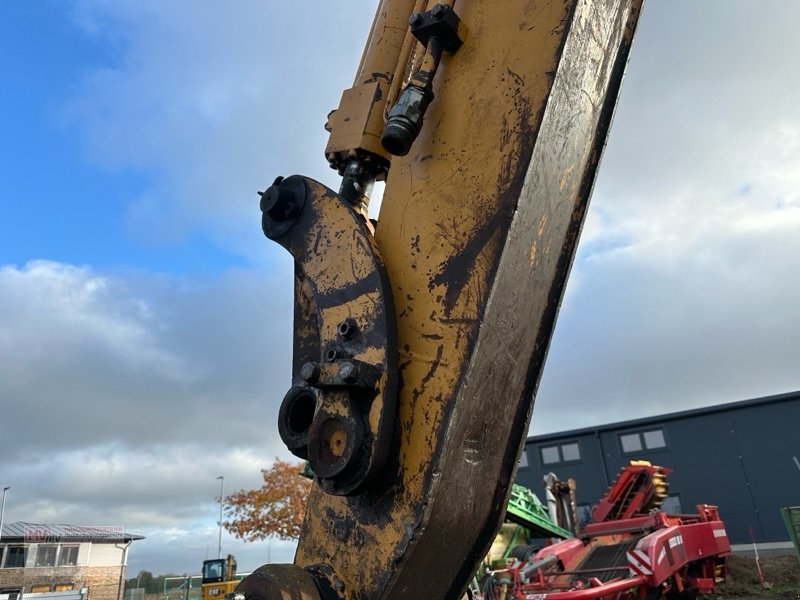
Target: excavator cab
218, 577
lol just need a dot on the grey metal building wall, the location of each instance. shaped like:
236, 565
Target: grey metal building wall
744, 457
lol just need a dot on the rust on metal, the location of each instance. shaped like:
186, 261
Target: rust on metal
340, 411
475, 239
286, 582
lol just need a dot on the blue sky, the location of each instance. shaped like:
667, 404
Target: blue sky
41, 57
146, 322
78, 204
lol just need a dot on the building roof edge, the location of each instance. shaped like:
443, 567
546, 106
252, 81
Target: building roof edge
716, 408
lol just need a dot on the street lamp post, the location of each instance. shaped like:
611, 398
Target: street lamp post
3, 509
221, 495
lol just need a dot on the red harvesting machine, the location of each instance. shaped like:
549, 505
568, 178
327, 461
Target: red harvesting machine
630, 549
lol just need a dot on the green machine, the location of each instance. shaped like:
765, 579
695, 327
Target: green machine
791, 516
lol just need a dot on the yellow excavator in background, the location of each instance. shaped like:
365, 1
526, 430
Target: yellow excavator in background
419, 338
218, 578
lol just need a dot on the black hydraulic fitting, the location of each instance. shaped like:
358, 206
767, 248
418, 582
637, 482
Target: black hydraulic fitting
281, 204
405, 120
439, 30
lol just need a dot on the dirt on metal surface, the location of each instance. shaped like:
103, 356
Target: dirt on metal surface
782, 572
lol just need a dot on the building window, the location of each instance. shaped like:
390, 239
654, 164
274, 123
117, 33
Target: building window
46, 556
38, 589
523, 460
15, 556
68, 557
560, 453
652, 439
550, 455
13, 593
631, 442
570, 452
64, 587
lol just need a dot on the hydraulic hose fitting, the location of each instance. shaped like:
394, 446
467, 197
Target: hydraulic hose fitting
439, 30
405, 120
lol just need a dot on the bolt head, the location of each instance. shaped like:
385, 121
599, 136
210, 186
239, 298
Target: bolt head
348, 372
279, 203
439, 11
310, 372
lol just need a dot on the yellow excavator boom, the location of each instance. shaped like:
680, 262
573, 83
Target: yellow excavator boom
419, 340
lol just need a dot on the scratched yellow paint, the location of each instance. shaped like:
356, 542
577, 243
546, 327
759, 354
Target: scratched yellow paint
442, 197
441, 231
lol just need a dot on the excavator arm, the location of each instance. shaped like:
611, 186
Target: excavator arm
419, 340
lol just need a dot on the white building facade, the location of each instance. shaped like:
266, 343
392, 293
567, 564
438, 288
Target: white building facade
63, 562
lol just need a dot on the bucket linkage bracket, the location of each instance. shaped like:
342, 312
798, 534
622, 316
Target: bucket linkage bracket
339, 412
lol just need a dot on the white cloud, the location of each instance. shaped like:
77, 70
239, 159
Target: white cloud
92, 357
162, 485
684, 290
125, 394
213, 103
167, 493
64, 309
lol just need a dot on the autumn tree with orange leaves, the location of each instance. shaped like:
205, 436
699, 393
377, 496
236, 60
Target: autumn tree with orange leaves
277, 508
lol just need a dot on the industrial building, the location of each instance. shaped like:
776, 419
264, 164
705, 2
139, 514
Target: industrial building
742, 456
63, 562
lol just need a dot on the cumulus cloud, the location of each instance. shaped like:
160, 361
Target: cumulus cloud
53, 302
139, 358
162, 486
213, 103
126, 393
132, 394
166, 492
683, 293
